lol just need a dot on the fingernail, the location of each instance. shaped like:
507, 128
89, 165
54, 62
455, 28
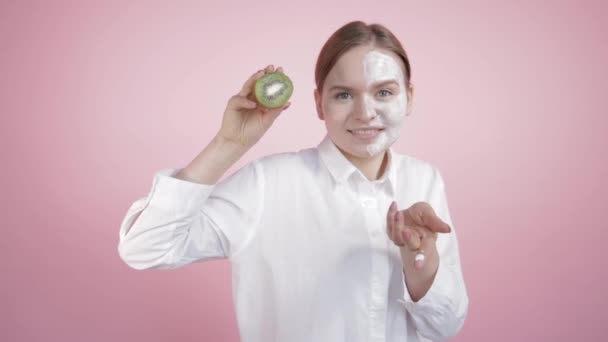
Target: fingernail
393, 205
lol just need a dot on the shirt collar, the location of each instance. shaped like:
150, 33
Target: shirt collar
341, 168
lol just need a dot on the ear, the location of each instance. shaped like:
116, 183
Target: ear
410, 99
318, 104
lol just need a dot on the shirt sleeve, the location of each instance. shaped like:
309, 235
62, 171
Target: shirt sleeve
181, 222
441, 313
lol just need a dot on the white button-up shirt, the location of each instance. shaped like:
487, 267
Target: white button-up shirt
306, 236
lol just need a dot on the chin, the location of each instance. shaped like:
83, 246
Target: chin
369, 150
360, 152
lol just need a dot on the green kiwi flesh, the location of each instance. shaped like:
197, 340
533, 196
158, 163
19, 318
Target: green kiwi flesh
273, 90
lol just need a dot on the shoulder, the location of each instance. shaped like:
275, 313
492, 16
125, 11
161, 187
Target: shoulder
296, 161
416, 168
413, 164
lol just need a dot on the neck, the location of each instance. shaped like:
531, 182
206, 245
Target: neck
373, 168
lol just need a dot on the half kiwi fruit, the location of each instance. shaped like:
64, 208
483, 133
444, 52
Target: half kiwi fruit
273, 90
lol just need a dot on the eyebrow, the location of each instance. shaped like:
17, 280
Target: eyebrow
376, 85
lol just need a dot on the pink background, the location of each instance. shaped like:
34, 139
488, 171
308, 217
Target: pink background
97, 96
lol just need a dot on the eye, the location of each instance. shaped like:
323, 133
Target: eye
384, 91
341, 95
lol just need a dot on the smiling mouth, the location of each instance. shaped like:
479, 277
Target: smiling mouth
366, 133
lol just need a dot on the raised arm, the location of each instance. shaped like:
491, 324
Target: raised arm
187, 217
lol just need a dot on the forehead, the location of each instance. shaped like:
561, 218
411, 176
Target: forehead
351, 67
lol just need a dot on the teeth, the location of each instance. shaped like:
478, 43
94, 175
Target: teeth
365, 131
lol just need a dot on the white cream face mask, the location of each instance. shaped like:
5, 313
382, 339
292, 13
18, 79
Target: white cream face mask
379, 67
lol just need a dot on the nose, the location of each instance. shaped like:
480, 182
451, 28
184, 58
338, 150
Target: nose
364, 110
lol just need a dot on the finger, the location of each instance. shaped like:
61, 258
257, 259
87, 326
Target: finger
280, 69
434, 223
269, 68
390, 219
411, 238
428, 244
402, 233
422, 232
429, 218
241, 102
398, 229
247, 88
414, 240
271, 114
394, 221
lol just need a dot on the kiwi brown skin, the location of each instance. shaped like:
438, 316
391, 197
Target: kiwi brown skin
263, 102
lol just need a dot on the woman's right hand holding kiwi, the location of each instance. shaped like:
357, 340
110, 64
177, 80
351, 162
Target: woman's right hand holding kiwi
245, 121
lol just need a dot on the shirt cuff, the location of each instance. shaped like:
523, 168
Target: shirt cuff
184, 197
439, 290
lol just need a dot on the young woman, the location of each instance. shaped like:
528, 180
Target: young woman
320, 250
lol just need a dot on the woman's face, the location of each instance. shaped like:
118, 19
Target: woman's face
364, 101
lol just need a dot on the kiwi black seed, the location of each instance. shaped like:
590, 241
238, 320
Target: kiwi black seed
273, 90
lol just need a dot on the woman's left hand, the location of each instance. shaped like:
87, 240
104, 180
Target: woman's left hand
415, 230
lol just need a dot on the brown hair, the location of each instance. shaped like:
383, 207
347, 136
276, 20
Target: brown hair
354, 34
